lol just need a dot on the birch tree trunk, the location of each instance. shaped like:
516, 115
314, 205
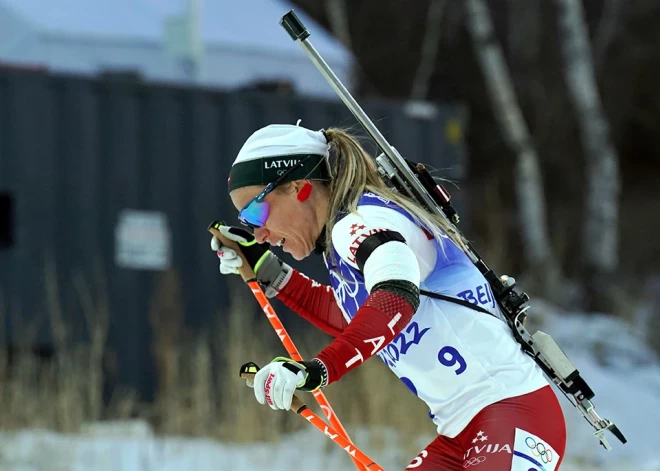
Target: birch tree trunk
601, 221
529, 185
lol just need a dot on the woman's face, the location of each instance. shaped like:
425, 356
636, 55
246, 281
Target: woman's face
294, 224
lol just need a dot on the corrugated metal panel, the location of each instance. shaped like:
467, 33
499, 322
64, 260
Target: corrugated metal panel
75, 153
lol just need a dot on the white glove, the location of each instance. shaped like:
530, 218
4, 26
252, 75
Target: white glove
230, 262
275, 385
271, 272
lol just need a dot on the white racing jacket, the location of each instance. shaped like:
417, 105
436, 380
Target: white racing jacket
457, 360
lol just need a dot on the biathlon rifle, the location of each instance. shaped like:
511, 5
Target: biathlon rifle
413, 180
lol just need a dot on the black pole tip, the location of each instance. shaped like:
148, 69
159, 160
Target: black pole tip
292, 24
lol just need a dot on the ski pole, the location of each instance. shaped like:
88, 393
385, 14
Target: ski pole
299, 407
251, 280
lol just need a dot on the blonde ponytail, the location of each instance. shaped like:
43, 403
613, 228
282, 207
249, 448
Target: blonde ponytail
354, 171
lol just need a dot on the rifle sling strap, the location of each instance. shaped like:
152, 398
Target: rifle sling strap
458, 301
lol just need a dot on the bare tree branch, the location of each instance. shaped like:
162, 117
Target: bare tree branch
338, 18
430, 46
607, 29
525, 28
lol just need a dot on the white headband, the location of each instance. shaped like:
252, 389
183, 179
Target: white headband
281, 140
271, 150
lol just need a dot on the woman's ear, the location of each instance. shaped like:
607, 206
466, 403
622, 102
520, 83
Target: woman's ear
304, 191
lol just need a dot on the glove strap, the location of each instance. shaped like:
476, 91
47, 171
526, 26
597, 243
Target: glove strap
282, 279
323, 371
316, 374
272, 273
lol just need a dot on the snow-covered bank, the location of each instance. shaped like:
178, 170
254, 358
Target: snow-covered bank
610, 354
625, 375
47, 451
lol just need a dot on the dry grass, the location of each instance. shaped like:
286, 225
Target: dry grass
62, 391
198, 392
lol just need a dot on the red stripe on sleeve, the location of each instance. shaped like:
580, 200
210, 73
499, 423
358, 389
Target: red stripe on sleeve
314, 302
382, 316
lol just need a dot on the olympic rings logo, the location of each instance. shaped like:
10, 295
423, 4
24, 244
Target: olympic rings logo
539, 450
475, 460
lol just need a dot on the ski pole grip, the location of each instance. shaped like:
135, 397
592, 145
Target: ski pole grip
292, 24
245, 270
249, 370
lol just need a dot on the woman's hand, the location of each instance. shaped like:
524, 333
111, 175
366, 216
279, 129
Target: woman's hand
271, 272
230, 261
275, 383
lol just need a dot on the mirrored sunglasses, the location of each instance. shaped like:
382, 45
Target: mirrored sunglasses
256, 212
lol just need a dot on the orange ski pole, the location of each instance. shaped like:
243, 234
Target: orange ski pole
298, 406
251, 280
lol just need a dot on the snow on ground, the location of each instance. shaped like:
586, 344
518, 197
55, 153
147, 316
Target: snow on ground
611, 355
625, 375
